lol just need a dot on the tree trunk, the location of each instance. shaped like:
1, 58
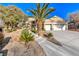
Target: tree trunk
43, 26
40, 27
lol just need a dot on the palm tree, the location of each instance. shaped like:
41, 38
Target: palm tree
40, 13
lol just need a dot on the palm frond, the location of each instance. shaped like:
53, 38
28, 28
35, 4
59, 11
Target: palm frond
32, 11
38, 8
41, 11
50, 10
44, 8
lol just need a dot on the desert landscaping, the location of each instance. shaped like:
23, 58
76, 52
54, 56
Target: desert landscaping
37, 35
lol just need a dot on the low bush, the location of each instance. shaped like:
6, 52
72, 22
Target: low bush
48, 35
26, 36
34, 30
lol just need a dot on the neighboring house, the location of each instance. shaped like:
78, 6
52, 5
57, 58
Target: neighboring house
55, 23
74, 21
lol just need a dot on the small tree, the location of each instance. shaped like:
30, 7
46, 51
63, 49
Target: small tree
26, 36
12, 16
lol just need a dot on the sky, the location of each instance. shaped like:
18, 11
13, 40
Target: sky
62, 9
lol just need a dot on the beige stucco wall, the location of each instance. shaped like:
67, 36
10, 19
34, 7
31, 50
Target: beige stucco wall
55, 27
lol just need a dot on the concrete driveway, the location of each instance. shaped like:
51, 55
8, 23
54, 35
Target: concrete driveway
67, 37
69, 41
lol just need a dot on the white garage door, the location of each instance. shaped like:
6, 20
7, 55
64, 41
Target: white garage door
47, 27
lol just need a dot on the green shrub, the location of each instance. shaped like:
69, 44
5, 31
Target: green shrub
34, 30
50, 34
26, 36
10, 30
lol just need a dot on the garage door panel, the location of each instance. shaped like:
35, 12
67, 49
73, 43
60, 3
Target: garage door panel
47, 27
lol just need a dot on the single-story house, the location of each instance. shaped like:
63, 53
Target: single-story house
55, 23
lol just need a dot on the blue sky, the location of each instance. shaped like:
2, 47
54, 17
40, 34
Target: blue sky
62, 9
